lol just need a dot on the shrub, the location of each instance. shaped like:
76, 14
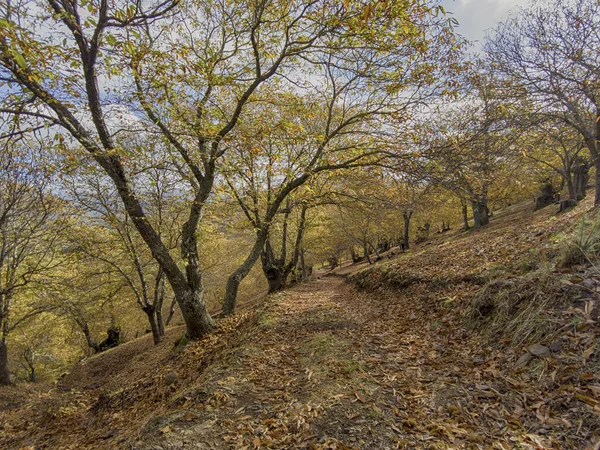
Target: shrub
583, 244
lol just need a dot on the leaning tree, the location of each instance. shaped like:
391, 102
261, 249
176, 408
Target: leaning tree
185, 70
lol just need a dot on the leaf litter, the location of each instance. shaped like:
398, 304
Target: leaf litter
396, 364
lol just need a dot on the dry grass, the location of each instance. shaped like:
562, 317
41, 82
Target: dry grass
582, 245
522, 310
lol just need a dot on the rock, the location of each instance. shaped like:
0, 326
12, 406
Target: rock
523, 360
541, 351
171, 378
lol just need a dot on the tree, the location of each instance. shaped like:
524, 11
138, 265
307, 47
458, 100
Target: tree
467, 145
405, 196
560, 149
364, 83
362, 212
550, 53
30, 227
109, 240
187, 71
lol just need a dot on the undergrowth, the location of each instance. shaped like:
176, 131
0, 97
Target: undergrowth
582, 245
522, 310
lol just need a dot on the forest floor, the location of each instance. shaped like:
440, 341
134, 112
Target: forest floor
415, 352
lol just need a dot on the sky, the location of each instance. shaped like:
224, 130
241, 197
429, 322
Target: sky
478, 16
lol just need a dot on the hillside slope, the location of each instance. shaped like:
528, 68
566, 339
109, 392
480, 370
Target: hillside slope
421, 355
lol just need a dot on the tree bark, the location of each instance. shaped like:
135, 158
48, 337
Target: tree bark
160, 322
593, 145
171, 312
234, 280
197, 320
298, 251
86, 332
571, 187
465, 214
275, 279
154, 328
406, 215
578, 184
303, 271
481, 213
376, 250
29, 357
159, 298
31, 377
4, 372
366, 250
275, 269
594, 150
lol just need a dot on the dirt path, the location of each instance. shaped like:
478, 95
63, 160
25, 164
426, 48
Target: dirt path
331, 368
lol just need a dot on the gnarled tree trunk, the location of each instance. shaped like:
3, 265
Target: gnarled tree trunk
275, 269
481, 213
580, 179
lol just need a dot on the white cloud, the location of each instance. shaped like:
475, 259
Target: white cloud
476, 17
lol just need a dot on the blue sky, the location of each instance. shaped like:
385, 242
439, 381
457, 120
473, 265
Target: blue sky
478, 16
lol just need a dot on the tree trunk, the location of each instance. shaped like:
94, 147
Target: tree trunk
171, 312
376, 250
29, 357
234, 280
187, 287
594, 151
571, 188
31, 377
303, 271
154, 328
275, 279
465, 214
86, 332
597, 166
579, 182
274, 269
298, 251
406, 215
195, 315
160, 322
366, 250
481, 213
4, 372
